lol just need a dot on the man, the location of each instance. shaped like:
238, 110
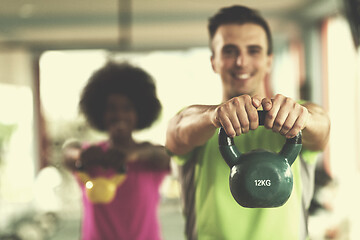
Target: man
241, 48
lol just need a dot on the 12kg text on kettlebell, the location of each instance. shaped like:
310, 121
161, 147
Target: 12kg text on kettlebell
262, 183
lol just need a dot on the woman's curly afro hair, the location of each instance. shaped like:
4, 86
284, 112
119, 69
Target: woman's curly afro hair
123, 79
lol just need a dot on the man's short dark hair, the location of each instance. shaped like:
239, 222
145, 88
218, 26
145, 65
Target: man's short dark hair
123, 79
239, 15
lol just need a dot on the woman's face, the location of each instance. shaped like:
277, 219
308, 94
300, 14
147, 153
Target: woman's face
120, 117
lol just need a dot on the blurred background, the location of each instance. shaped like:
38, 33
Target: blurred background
48, 49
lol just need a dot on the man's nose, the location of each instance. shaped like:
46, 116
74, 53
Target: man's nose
241, 60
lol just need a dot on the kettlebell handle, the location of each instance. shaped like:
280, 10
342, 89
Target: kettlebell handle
231, 154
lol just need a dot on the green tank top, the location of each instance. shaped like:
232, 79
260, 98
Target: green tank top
215, 214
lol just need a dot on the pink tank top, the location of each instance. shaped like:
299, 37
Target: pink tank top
132, 214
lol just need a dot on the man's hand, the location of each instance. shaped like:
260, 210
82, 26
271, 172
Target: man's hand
196, 124
237, 115
284, 115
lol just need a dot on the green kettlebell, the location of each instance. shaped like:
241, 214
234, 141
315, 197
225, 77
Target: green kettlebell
260, 178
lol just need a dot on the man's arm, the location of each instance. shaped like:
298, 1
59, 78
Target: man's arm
189, 128
288, 117
317, 131
195, 125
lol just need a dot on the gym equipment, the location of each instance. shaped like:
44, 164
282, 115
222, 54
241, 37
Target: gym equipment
260, 178
101, 189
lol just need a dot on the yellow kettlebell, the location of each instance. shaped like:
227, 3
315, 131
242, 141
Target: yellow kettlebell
101, 189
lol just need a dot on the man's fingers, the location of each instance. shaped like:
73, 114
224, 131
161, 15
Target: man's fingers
297, 126
288, 124
266, 104
252, 117
271, 116
243, 121
256, 101
228, 127
238, 115
282, 120
224, 117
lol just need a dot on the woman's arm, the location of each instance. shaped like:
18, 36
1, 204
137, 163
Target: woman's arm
155, 155
71, 154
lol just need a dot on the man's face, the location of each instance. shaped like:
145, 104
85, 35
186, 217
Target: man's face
240, 57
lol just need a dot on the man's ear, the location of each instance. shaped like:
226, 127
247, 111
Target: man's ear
269, 63
212, 59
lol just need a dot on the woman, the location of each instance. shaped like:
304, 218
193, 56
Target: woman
119, 99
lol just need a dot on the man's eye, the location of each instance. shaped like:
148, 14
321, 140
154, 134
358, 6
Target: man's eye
230, 52
253, 51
